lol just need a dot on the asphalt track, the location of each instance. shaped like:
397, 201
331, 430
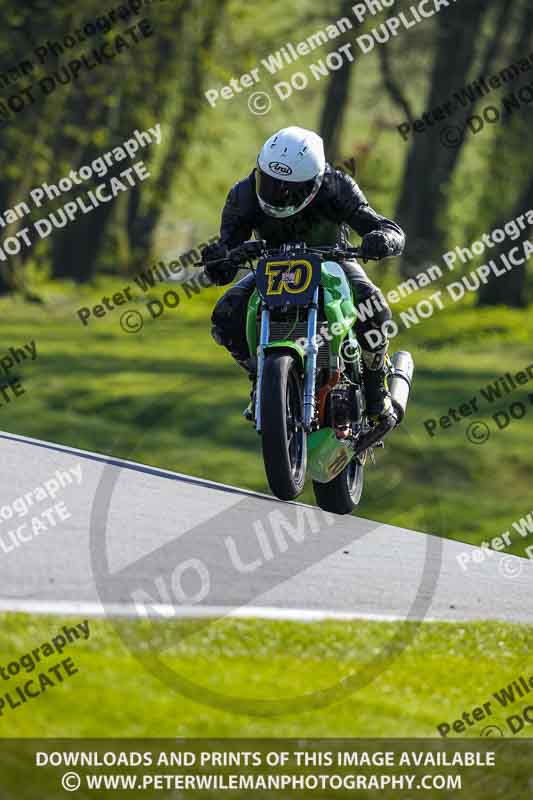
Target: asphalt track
141, 540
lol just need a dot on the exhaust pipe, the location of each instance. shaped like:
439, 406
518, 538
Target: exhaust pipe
400, 381
375, 434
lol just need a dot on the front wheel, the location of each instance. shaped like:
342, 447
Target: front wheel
283, 436
342, 494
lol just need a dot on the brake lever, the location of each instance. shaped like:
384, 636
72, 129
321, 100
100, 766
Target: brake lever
213, 262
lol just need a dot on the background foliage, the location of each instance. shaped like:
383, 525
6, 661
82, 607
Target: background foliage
100, 389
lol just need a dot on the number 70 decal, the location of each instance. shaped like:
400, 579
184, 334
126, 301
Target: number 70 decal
289, 276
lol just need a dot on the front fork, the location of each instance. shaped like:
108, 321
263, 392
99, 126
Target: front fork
264, 337
311, 352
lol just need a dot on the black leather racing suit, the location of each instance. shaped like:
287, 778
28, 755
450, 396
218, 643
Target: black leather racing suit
338, 204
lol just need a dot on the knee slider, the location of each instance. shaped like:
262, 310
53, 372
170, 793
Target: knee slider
218, 335
225, 323
222, 312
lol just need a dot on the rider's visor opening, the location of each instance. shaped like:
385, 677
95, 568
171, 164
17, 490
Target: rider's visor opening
280, 198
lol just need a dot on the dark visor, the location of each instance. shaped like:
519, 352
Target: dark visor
282, 194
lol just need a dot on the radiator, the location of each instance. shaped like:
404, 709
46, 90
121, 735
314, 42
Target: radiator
284, 330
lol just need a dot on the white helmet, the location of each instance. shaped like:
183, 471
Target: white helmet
290, 170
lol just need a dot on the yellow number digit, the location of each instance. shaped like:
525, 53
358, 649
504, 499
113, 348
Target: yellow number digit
290, 276
274, 270
303, 272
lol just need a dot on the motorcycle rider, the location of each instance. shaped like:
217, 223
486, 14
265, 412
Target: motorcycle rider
294, 195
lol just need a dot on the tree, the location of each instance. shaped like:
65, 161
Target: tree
511, 178
336, 99
430, 165
158, 80
147, 205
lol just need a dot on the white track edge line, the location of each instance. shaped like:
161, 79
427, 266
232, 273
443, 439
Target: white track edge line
167, 613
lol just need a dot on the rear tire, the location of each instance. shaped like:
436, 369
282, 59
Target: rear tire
342, 494
283, 437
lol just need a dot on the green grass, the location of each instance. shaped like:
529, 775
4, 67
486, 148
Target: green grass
170, 397
436, 672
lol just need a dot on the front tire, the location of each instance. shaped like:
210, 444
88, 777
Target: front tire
342, 494
283, 437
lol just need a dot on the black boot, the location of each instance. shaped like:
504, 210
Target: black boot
249, 411
378, 399
249, 365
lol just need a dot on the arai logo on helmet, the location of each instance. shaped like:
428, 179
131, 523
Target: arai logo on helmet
281, 169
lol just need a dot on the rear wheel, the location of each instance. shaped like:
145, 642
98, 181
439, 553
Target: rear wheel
342, 494
283, 436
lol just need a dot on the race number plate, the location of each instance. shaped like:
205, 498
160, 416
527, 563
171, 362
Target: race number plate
288, 282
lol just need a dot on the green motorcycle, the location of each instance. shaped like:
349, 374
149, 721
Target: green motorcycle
309, 401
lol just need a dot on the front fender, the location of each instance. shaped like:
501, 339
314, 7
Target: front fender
293, 347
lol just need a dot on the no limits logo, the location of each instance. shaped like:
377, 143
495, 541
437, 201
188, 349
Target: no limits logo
209, 564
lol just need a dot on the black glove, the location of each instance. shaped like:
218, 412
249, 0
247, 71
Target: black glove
219, 274
375, 245
214, 252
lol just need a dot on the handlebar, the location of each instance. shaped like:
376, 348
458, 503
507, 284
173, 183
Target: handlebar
257, 248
